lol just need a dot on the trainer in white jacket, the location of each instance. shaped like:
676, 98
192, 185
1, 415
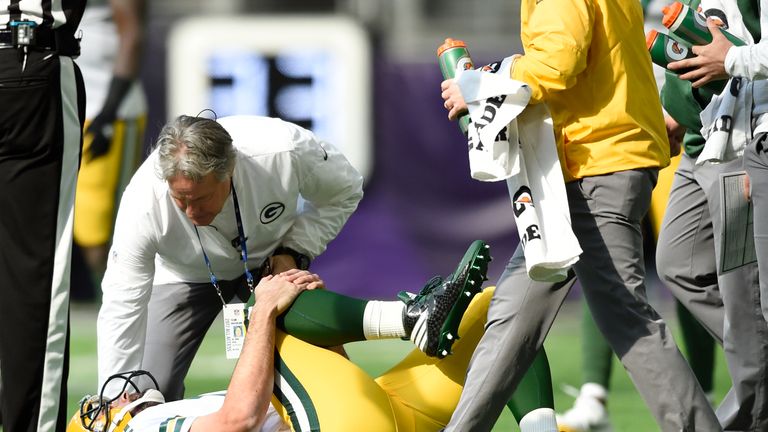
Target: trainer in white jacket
177, 233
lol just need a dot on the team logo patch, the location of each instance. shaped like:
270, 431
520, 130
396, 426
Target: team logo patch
522, 200
676, 51
271, 211
491, 67
527, 222
464, 63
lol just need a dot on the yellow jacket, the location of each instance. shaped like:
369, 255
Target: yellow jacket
587, 60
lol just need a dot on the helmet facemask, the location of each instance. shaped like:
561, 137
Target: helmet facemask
96, 413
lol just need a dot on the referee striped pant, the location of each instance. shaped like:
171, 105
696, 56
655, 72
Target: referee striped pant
42, 100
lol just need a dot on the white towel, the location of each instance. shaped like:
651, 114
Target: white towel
489, 146
509, 140
726, 123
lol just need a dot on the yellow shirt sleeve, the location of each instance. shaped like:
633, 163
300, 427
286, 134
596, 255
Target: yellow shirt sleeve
556, 36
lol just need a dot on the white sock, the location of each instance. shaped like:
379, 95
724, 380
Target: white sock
539, 420
594, 390
383, 320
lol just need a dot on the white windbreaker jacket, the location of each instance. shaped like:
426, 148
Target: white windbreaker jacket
293, 190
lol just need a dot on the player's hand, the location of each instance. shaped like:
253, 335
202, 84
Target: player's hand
675, 134
454, 101
101, 132
276, 292
304, 278
709, 63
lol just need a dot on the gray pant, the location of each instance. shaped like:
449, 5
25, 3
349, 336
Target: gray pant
756, 165
606, 214
179, 316
728, 305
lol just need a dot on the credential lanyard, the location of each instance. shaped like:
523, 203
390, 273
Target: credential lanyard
243, 249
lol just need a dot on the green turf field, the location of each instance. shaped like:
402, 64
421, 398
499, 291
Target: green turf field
211, 370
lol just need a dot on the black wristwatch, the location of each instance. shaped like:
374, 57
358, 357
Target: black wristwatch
302, 261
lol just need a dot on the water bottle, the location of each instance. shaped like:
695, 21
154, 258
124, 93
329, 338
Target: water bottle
690, 25
664, 49
451, 55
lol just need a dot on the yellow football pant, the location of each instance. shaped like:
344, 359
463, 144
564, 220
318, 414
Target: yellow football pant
316, 389
660, 195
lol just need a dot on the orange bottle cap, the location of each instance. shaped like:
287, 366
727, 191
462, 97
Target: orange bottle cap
650, 38
450, 43
671, 13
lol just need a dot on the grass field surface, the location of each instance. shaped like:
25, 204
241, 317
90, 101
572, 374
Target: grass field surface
211, 371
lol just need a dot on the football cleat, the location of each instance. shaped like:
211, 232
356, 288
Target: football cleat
588, 413
431, 317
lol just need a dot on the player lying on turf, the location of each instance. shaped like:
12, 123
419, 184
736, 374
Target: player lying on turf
315, 389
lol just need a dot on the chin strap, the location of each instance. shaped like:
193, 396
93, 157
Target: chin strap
151, 395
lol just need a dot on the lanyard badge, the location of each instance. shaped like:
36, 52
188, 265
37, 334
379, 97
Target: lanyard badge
234, 329
235, 314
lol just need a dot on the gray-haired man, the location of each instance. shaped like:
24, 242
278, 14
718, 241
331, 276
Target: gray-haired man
215, 205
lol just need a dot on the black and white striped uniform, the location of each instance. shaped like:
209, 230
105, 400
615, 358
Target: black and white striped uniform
42, 100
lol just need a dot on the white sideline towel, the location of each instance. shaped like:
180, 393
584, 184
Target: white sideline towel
491, 157
726, 121
509, 140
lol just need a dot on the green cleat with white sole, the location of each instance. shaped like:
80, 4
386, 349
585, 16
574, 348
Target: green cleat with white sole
432, 316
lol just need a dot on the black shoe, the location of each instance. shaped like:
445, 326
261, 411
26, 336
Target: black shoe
432, 317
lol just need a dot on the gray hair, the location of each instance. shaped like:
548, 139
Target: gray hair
194, 147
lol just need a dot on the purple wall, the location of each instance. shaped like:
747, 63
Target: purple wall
421, 209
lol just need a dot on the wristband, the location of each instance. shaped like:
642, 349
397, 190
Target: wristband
302, 261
